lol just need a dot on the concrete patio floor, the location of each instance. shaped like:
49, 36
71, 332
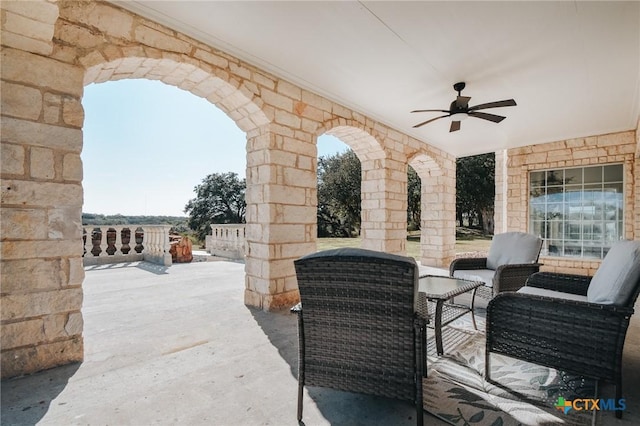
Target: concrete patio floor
178, 346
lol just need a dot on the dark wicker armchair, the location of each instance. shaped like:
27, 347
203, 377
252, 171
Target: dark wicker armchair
512, 258
571, 323
361, 327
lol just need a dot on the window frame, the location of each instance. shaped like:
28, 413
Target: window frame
576, 206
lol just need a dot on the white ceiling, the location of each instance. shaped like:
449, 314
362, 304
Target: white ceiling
572, 67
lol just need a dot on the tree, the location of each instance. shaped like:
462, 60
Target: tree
220, 198
475, 189
339, 204
414, 195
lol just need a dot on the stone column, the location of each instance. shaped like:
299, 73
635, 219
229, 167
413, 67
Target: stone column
438, 211
636, 173
281, 213
500, 203
384, 205
41, 206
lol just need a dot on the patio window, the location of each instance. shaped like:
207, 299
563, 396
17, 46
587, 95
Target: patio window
578, 212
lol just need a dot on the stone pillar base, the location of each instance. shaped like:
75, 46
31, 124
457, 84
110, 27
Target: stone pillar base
271, 302
20, 361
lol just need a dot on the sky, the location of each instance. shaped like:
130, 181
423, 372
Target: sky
148, 144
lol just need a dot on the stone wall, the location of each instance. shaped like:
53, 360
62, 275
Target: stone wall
617, 147
52, 49
636, 218
41, 265
501, 179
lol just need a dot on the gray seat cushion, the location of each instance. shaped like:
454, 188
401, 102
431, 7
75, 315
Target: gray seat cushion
618, 276
483, 275
537, 291
513, 248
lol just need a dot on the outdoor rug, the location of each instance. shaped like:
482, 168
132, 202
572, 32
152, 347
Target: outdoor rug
456, 392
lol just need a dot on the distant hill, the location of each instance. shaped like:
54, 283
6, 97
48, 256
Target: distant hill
118, 219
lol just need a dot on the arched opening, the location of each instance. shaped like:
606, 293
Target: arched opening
146, 145
339, 198
149, 182
383, 188
234, 103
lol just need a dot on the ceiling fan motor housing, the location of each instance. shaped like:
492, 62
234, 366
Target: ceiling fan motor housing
454, 108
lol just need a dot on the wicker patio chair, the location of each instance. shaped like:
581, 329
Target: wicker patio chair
571, 323
512, 258
361, 325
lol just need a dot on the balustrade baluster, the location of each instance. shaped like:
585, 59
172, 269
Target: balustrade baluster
103, 241
155, 245
154, 239
166, 244
118, 241
86, 243
123, 238
146, 240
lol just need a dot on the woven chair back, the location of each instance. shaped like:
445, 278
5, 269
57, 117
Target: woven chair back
358, 312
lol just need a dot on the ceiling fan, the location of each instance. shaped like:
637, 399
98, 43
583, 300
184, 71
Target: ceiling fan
460, 109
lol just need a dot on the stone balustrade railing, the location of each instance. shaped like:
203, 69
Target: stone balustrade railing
227, 240
126, 243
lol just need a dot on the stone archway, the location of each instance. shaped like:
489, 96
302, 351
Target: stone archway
198, 80
51, 50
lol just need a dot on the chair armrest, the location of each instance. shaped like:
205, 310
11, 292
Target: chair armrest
566, 283
531, 308
422, 310
513, 277
579, 337
466, 263
420, 321
297, 309
420, 345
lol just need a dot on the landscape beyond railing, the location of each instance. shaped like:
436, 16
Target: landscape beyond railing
227, 240
126, 243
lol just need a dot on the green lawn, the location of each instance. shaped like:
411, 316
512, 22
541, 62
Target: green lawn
413, 245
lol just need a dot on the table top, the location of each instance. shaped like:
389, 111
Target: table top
437, 287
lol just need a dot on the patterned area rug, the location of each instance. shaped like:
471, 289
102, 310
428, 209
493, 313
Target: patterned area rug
456, 392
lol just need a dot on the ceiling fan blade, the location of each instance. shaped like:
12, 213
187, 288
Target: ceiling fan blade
429, 121
430, 110
455, 126
486, 116
462, 101
497, 104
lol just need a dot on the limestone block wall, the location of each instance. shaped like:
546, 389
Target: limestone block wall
438, 210
29, 25
617, 147
41, 252
500, 204
636, 218
51, 49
